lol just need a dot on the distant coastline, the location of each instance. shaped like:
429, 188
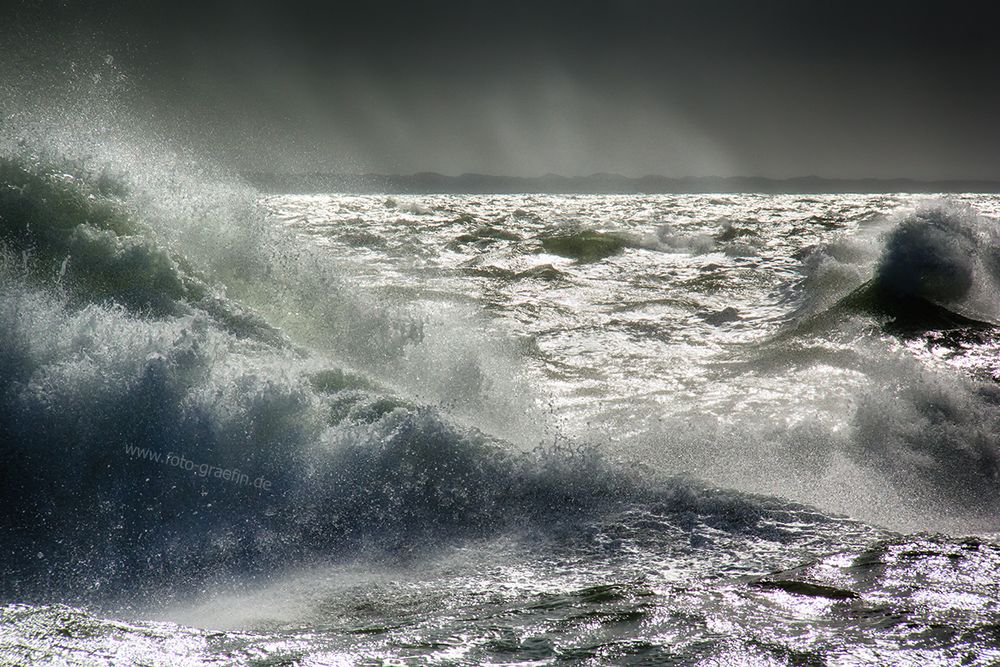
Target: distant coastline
434, 183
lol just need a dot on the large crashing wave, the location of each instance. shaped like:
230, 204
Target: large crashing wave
114, 351
131, 381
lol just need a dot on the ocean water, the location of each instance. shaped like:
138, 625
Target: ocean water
726, 429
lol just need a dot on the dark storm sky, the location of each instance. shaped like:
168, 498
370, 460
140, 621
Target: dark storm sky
636, 87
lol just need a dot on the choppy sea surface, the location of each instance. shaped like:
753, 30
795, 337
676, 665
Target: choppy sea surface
539, 429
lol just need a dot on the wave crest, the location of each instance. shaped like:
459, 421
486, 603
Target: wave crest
936, 267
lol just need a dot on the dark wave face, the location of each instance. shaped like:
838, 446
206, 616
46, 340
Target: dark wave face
929, 256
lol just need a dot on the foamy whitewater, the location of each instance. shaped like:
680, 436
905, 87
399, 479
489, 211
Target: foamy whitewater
333, 429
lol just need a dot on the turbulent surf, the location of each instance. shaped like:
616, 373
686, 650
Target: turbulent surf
748, 429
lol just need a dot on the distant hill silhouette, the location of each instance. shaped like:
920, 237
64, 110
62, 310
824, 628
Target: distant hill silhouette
434, 183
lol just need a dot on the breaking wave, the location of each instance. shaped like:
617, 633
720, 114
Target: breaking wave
131, 380
916, 426
936, 267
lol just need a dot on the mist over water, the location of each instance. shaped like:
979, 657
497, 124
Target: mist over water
494, 428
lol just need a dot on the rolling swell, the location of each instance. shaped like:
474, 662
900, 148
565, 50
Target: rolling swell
905, 313
111, 344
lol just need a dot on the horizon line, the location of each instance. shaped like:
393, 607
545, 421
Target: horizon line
605, 174
425, 183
